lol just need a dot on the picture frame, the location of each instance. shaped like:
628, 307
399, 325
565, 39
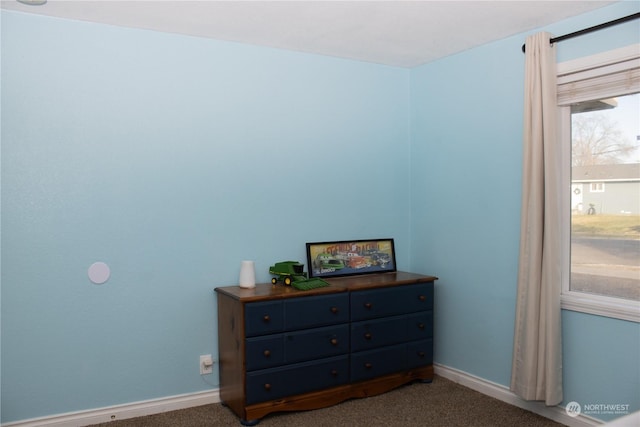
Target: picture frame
350, 257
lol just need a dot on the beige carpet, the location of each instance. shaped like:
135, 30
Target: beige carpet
441, 403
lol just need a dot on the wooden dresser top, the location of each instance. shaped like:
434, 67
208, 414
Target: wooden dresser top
268, 291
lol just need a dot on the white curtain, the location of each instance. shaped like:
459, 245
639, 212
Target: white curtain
536, 372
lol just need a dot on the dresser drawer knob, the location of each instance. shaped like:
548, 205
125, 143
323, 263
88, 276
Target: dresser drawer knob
368, 336
422, 298
334, 372
334, 341
421, 325
267, 353
368, 305
368, 365
334, 310
421, 354
267, 386
266, 318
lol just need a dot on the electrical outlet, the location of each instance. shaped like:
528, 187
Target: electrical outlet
206, 364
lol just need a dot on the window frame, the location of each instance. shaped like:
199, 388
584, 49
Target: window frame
624, 60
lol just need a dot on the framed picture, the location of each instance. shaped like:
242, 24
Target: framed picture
350, 257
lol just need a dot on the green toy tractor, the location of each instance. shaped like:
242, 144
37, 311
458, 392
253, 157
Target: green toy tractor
287, 272
292, 273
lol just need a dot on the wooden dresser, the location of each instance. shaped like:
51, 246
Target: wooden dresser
281, 349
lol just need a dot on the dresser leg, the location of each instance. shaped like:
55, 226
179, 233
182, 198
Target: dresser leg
250, 422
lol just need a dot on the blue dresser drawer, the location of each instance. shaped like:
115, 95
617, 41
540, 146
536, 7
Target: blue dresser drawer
290, 347
309, 312
383, 302
369, 334
419, 353
262, 318
276, 383
374, 363
420, 325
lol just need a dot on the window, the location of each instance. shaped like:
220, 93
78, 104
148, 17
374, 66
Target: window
596, 187
599, 99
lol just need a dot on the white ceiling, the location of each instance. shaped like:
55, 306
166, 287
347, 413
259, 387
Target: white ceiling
397, 33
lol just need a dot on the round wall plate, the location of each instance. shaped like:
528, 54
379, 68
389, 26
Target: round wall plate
99, 272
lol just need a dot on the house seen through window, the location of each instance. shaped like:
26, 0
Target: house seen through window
605, 197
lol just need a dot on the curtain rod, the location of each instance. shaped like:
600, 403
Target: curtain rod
592, 29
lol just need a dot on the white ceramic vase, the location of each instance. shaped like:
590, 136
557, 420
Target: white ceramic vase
247, 274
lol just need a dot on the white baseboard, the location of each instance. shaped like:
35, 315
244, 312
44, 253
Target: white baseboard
500, 392
157, 406
121, 412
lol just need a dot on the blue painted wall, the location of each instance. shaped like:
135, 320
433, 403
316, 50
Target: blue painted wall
173, 158
466, 130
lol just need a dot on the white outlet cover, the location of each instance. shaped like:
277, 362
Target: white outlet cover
99, 272
204, 370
